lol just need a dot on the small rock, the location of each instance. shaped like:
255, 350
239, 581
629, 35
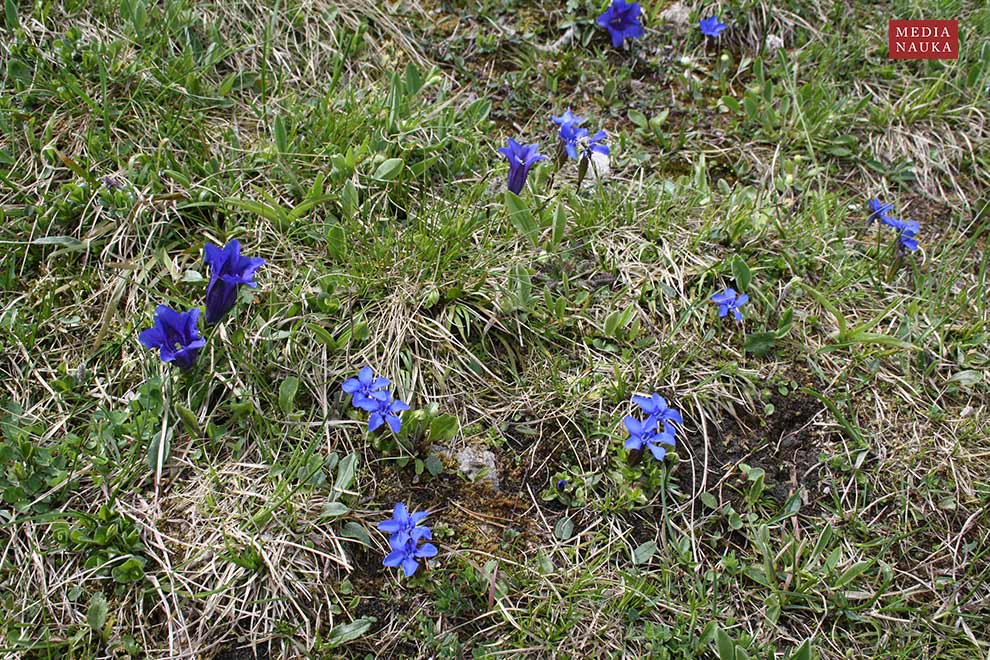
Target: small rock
676, 14
478, 464
773, 43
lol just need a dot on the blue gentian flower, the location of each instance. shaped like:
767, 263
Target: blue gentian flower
907, 233
878, 211
595, 143
567, 119
711, 26
907, 230
621, 20
562, 484
404, 526
571, 135
228, 271
647, 433
382, 412
405, 554
175, 335
728, 301
366, 388
521, 159
405, 533
656, 407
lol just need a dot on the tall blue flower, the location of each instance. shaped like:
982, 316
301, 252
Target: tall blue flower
175, 335
907, 230
228, 271
384, 412
406, 553
404, 526
521, 159
729, 301
647, 433
879, 211
366, 388
656, 407
621, 20
711, 26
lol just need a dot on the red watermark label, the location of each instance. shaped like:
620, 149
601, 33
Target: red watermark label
923, 40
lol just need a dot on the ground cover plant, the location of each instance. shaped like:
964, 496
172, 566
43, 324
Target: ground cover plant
492, 328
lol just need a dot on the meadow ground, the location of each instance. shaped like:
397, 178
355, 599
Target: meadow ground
829, 493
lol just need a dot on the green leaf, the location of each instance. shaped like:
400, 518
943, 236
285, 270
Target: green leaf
644, 552
334, 509
348, 632
784, 325
802, 652
348, 199
389, 170
559, 225
726, 647
96, 613
564, 528
852, 573
67, 242
759, 343
708, 500
638, 118
443, 428
353, 530
10, 12
741, 272
281, 136
520, 217
434, 465
345, 474
287, 394
189, 420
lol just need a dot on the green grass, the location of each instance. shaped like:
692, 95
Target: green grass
831, 483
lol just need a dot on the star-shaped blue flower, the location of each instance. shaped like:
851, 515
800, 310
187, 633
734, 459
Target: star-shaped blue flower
404, 526
228, 271
175, 335
728, 301
384, 412
711, 26
656, 407
406, 554
647, 433
622, 20
366, 388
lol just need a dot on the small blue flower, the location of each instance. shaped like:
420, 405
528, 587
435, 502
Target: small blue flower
382, 412
366, 389
622, 21
567, 119
562, 484
907, 230
656, 407
728, 301
711, 26
595, 143
406, 553
521, 159
571, 135
647, 433
404, 526
175, 335
878, 211
228, 271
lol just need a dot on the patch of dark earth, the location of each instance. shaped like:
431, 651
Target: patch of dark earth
785, 445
